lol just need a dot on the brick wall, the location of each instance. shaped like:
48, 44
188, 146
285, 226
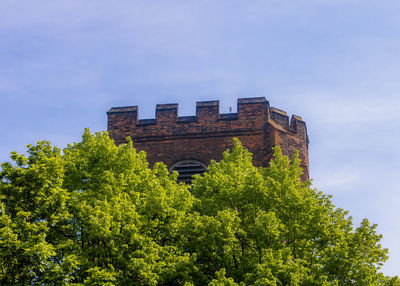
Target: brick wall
170, 138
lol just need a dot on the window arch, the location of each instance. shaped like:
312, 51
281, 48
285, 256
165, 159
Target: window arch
187, 168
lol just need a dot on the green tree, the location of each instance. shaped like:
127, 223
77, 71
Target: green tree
96, 214
282, 231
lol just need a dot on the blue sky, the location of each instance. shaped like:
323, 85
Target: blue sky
63, 64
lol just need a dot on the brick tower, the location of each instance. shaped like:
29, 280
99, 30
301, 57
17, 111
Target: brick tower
188, 143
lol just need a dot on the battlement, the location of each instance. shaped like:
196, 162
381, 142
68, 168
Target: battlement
252, 112
204, 136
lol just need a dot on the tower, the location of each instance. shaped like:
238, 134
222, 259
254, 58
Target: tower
188, 143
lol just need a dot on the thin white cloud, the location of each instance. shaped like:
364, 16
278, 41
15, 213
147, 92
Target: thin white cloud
337, 178
7, 84
357, 110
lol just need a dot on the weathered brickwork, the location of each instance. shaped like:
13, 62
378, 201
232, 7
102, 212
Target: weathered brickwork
171, 138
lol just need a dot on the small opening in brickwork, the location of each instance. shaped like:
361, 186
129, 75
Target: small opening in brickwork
186, 169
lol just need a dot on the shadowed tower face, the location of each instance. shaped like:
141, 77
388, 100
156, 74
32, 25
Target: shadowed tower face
188, 143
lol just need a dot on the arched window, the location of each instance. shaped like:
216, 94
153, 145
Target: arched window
187, 168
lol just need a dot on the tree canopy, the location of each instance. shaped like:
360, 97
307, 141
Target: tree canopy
95, 214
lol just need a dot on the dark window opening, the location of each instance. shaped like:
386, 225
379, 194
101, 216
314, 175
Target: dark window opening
187, 168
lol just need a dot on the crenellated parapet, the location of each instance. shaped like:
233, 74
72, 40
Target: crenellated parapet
170, 137
252, 113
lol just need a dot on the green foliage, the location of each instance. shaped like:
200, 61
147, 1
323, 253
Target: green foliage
96, 214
